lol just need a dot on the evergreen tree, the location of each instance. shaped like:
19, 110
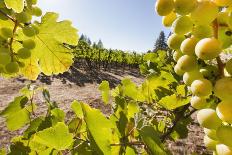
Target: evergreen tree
100, 44
160, 43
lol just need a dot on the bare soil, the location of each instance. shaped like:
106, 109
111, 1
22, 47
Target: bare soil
83, 86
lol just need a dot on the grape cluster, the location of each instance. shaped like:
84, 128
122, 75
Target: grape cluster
12, 55
201, 31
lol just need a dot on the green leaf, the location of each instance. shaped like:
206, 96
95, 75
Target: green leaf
57, 137
76, 107
50, 56
151, 139
58, 115
100, 129
130, 151
173, 102
33, 128
16, 5
181, 90
132, 109
104, 87
130, 89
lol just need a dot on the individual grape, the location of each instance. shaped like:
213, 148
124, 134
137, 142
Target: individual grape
30, 44
12, 67
208, 118
182, 25
174, 41
187, 63
5, 58
33, 2
211, 134
6, 33
23, 17
224, 38
208, 48
224, 111
35, 27
223, 3
24, 53
223, 88
188, 46
222, 149
169, 19
178, 70
36, 11
177, 54
21, 64
210, 143
184, 7
202, 31
205, 13
191, 76
164, 7
29, 31
229, 66
209, 71
198, 102
224, 134
201, 87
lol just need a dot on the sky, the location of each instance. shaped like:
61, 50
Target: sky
121, 24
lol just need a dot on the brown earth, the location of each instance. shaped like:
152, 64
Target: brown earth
83, 86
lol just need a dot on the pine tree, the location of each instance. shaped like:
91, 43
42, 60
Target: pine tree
160, 43
100, 44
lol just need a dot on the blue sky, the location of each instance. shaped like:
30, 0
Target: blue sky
120, 24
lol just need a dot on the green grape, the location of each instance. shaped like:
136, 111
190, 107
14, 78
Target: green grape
29, 31
222, 149
164, 7
201, 87
174, 41
224, 134
30, 44
211, 134
6, 33
169, 19
188, 46
205, 13
182, 25
223, 88
23, 17
24, 53
36, 11
208, 48
178, 70
224, 38
210, 143
208, 118
187, 63
209, 71
33, 2
229, 66
12, 67
184, 7
177, 54
222, 3
5, 58
198, 102
191, 76
202, 31
224, 111
36, 28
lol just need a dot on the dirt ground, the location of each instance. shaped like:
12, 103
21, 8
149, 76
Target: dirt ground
84, 87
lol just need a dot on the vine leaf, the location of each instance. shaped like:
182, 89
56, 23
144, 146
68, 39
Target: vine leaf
50, 56
173, 102
151, 139
54, 137
16, 5
104, 87
16, 114
100, 130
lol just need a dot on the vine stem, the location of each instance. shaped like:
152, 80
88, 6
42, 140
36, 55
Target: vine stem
220, 64
12, 39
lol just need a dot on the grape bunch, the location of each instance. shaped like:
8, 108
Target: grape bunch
202, 29
13, 50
